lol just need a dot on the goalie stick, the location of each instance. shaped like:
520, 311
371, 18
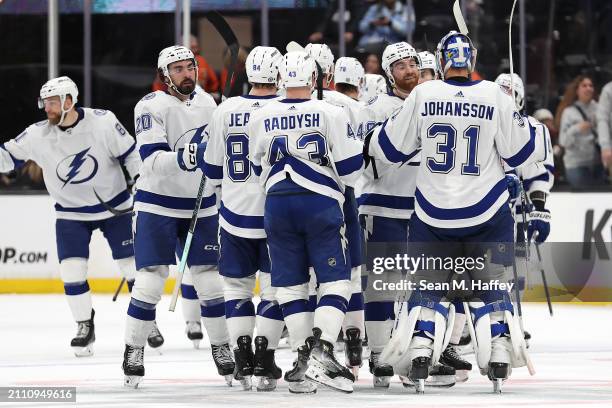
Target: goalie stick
232, 43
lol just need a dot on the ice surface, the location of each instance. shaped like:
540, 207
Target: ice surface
572, 354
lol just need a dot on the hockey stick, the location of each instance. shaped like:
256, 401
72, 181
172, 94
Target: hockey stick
111, 209
459, 18
232, 43
548, 301
118, 289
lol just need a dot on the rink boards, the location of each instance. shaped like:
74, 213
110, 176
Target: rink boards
28, 259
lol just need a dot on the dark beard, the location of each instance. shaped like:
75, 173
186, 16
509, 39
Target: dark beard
186, 88
54, 120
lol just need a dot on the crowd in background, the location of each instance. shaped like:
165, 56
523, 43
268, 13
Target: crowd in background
580, 127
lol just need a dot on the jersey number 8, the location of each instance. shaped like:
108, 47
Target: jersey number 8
237, 152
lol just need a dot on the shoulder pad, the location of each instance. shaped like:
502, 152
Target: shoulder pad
148, 96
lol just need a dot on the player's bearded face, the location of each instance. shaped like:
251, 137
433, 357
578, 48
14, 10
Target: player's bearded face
406, 74
53, 109
183, 76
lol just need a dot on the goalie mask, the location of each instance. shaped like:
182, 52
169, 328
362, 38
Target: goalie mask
455, 50
61, 87
172, 54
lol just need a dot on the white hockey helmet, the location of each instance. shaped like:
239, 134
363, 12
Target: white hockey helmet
297, 69
171, 54
262, 65
323, 55
349, 71
427, 61
374, 84
61, 87
395, 52
507, 82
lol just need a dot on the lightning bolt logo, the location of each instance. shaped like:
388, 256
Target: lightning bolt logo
74, 167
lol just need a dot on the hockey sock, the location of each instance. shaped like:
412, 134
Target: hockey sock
213, 318
240, 318
379, 319
270, 322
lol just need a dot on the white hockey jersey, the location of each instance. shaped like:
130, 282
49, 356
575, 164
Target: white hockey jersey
163, 125
356, 112
76, 161
387, 191
307, 140
463, 128
227, 164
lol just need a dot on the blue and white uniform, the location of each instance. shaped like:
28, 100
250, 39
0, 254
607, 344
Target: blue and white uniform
76, 160
164, 205
305, 160
242, 238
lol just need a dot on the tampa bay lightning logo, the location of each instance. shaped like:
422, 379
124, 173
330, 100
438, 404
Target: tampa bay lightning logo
195, 135
77, 168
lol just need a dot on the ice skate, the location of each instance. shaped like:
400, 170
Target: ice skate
497, 373
382, 373
194, 333
296, 376
419, 373
155, 338
133, 366
222, 357
451, 358
264, 366
440, 376
243, 354
82, 343
323, 368
353, 350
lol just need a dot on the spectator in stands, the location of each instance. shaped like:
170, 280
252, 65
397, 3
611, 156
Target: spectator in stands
576, 116
604, 123
327, 31
372, 64
387, 21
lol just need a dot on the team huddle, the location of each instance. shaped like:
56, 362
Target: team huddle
297, 181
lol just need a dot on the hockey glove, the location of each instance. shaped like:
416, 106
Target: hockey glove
514, 187
192, 156
539, 221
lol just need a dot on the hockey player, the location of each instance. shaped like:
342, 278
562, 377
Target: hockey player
386, 202
164, 203
80, 150
427, 67
374, 84
349, 79
461, 197
305, 158
242, 236
537, 179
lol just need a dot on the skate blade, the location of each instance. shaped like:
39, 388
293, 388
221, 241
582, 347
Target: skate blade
355, 371
266, 384
420, 386
246, 383
438, 381
196, 344
86, 351
228, 379
337, 384
381, 382
302, 387
132, 381
461, 376
497, 385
